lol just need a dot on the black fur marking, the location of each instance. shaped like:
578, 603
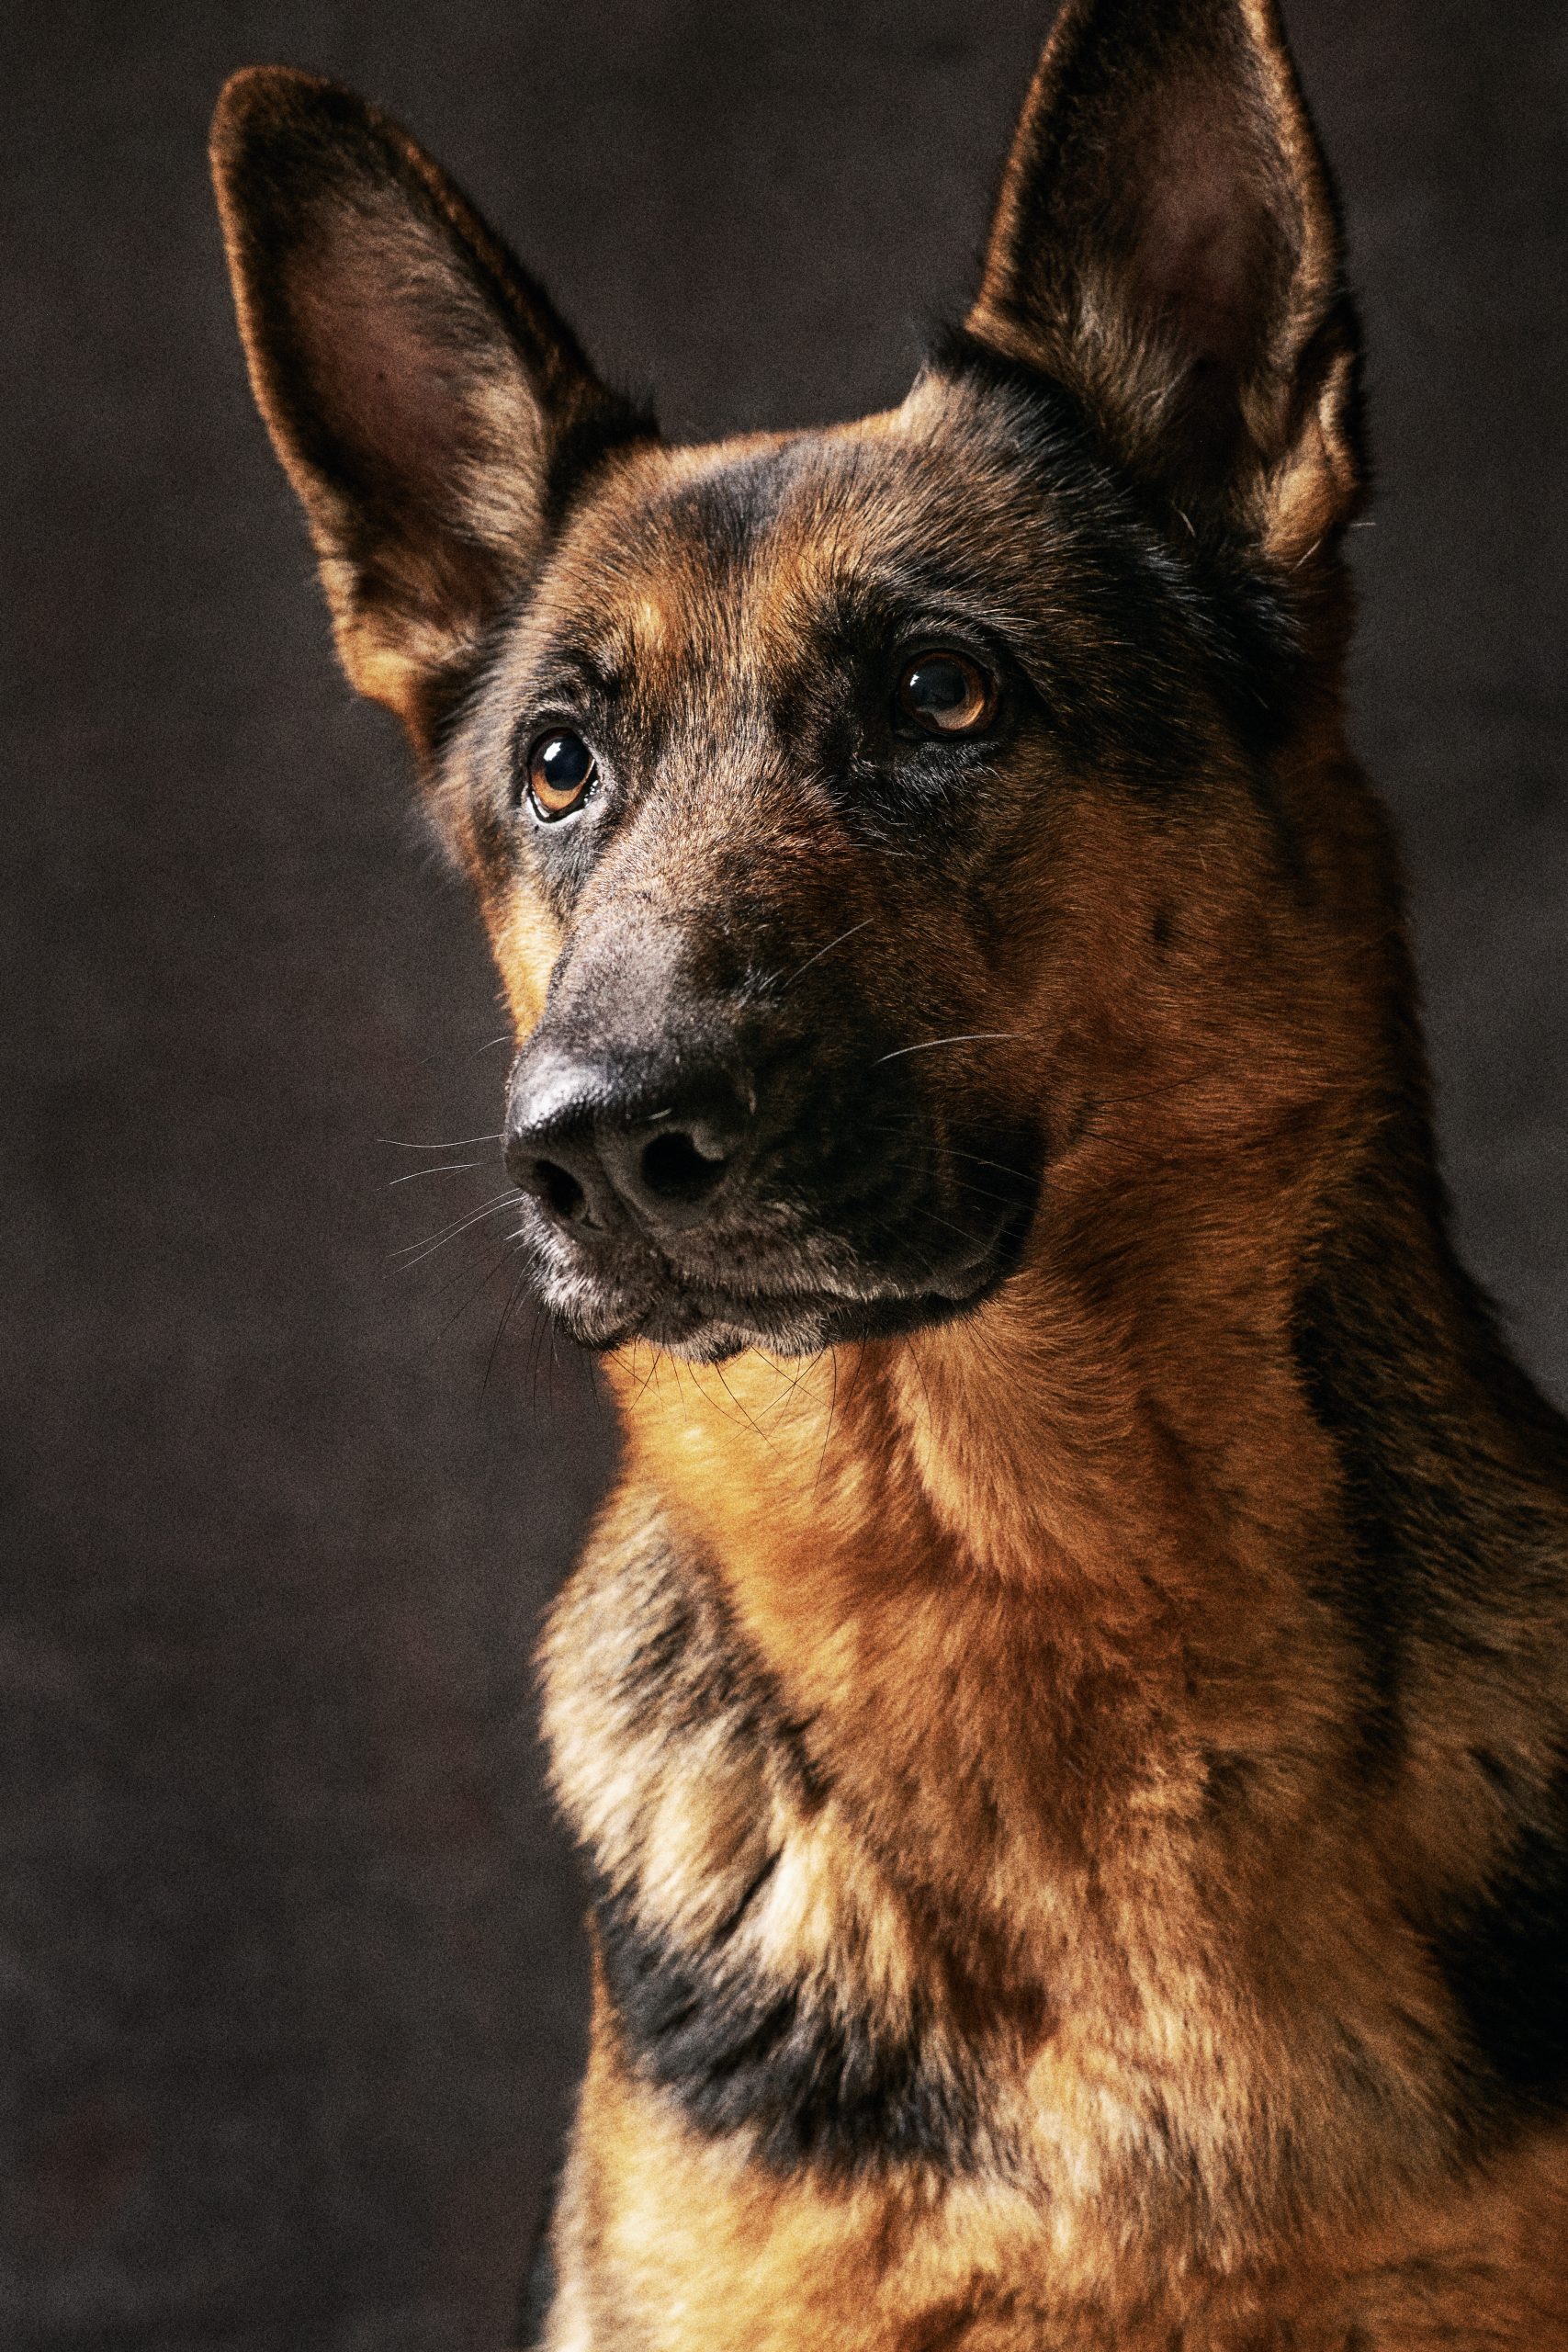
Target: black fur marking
1506, 1963
1434, 1529
805, 2063
812, 2085
1372, 1587
1415, 1488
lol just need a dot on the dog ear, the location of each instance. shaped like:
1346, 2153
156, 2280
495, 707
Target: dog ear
423, 395
1167, 244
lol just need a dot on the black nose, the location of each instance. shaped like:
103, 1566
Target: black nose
598, 1143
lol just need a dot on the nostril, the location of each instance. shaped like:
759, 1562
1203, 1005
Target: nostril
559, 1188
609, 1154
673, 1169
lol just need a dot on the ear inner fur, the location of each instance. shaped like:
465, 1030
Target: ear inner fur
1167, 244
418, 385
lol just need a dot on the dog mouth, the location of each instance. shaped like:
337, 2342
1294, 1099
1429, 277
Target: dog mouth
791, 1301
770, 1194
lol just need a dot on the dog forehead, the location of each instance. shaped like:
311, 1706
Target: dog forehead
725, 559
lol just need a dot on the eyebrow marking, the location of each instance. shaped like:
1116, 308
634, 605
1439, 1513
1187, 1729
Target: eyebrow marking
648, 619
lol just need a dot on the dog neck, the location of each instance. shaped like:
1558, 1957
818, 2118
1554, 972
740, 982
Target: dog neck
1114, 1476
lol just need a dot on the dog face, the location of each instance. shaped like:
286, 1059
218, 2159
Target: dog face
798, 751
862, 818
813, 794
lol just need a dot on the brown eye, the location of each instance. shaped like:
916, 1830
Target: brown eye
946, 693
560, 770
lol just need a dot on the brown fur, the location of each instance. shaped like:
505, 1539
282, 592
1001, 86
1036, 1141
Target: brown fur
1076, 1785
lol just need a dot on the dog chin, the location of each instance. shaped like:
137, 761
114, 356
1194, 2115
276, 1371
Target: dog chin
679, 1317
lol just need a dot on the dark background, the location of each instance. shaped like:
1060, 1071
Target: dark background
290, 1981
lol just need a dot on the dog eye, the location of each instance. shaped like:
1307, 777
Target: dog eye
946, 693
560, 770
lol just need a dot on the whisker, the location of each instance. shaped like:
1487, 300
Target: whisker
950, 1151
705, 1397
604, 1413
447, 1240
535, 1352
459, 1143
974, 1190
453, 1167
518, 1287
916, 1359
929, 1045
414, 1253
446, 1283
934, 1216
741, 1407
785, 1393
500, 1259
828, 1432
998, 1166
828, 950
974, 1159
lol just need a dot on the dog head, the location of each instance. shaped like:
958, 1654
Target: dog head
861, 818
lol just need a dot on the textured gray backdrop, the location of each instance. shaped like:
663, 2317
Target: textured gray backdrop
289, 1966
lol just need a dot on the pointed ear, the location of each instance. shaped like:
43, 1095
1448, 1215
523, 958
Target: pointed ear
1166, 244
423, 395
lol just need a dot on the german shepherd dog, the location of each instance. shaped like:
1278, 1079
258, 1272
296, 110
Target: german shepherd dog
1067, 1708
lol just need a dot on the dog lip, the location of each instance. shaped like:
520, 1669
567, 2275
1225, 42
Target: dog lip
675, 1308
956, 1280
